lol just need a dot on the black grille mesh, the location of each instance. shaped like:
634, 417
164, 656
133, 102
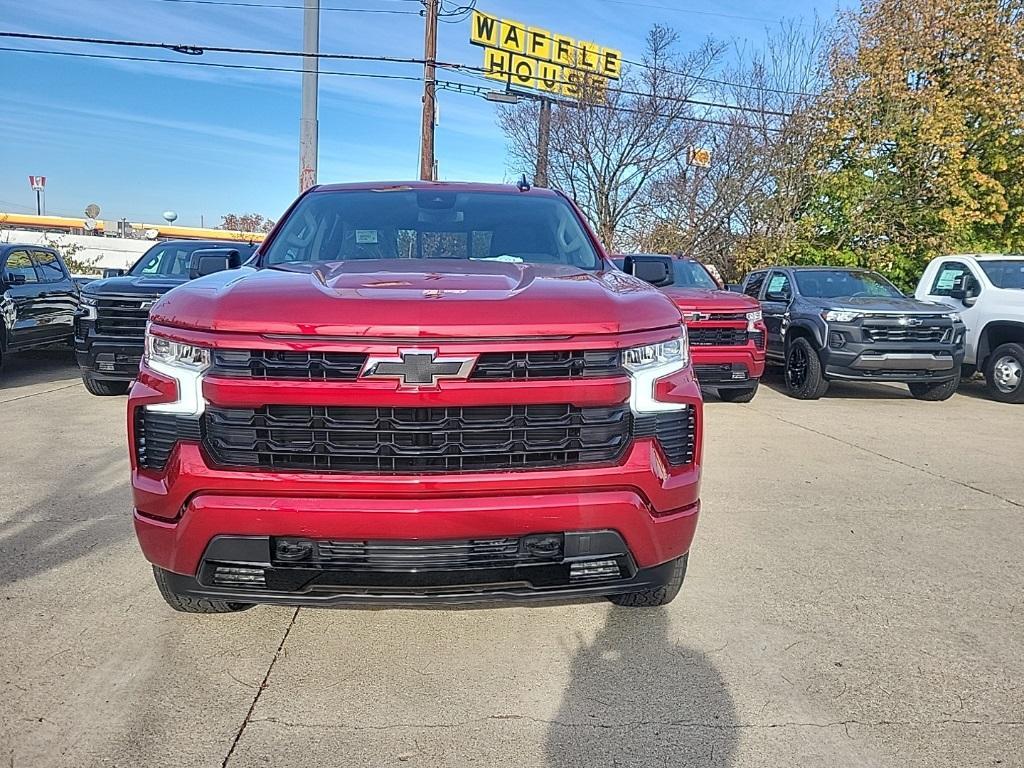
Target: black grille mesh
360, 439
287, 364
717, 337
547, 365
157, 433
122, 317
676, 431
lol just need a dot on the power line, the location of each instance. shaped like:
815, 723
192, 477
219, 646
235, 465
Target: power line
240, 4
218, 65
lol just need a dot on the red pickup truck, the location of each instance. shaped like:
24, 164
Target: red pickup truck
416, 392
726, 329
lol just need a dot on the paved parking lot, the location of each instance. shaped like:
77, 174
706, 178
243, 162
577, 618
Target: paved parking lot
854, 598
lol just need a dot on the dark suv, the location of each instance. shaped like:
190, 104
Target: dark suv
828, 323
111, 325
38, 298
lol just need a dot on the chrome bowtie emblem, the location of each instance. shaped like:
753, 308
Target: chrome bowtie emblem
695, 317
914, 321
418, 367
147, 305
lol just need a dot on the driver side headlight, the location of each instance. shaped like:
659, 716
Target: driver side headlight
185, 363
840, 315
176, 354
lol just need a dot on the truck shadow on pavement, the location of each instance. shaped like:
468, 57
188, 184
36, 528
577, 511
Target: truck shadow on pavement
70, 523
842, 390
39, 366
637, 698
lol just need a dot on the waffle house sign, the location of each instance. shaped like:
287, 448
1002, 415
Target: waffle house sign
532, 57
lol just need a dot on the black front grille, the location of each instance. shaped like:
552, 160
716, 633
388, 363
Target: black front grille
416, 555
157, 433
676, 431
359, 439
123, 317
288, 364
547, 365
899, 333
717, 337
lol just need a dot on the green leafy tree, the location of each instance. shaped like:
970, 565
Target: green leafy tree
923, 137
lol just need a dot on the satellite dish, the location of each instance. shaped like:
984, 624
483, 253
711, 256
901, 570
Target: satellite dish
92, 211
152, 234
170, 216
90, 223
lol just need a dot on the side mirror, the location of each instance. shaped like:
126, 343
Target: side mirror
965, 289
657, 272
211, 260
14, 278
113, 272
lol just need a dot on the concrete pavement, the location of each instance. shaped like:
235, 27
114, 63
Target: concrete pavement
854, 599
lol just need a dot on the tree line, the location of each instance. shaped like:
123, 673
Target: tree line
891, 136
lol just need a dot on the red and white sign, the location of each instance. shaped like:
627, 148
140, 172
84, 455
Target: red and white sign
37, 182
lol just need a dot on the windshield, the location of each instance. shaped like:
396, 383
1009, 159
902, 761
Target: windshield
841, 283
432, 224
173, 259
685, 274
1005, 274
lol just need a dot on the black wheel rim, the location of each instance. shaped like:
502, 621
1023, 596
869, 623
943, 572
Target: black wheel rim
797, 368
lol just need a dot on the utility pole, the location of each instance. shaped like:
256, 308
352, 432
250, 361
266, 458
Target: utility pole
543, 140
427, 166
308, 129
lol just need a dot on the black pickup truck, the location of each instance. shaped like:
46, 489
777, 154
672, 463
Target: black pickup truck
38, 298
836, 323
111, 325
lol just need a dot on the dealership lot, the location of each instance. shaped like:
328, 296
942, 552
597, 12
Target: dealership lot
854, 598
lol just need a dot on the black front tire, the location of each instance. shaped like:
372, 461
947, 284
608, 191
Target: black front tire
934, 391
652, 598
104, 388
189, 604
1003, 373
805, 375
736, 395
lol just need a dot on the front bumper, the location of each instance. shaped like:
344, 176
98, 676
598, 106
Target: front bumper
875, 362
107, 357
248, 570
731, 367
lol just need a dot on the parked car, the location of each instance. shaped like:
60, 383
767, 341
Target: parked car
111, 324
420, 391
38, 298
831, 323
726, 331
987, 291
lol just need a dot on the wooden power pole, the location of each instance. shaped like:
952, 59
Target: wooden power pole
427, 166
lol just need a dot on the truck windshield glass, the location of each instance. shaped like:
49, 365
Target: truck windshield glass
1005, 274
839, 283
332, 226
690, 274
173, 259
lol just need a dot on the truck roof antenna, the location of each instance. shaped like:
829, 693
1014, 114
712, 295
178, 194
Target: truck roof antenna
523, 184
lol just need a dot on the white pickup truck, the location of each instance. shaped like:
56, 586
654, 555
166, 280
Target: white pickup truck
988, 292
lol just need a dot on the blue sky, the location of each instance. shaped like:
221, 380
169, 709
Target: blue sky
141, 138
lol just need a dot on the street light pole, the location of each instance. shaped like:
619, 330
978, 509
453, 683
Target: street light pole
427, 166
543, 140
308, 128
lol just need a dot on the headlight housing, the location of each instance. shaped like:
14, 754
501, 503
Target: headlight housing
88, 306
753, 318
674, 353
176, 354
954, 316
841, 315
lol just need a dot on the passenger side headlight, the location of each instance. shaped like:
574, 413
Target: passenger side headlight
176, 354
954, 316
88, 307
673, 353
753, 318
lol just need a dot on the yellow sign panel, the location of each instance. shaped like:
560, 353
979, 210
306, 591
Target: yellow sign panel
532, 57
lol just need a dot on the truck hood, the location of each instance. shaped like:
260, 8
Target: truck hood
705, 300
417, 299
131, 285
879, 304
